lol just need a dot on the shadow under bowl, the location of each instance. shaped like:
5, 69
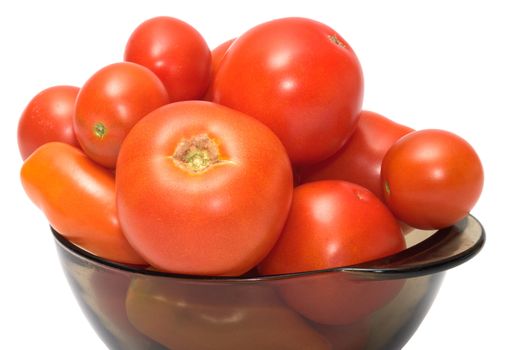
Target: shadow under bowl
376, 305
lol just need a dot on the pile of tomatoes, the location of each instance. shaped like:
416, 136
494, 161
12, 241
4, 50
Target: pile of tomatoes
256, 154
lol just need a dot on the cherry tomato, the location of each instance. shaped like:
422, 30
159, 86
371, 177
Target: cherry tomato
110, 103
175, 52
300, 78
48, 117
217, 57
359, 160
334, 223
432, 178
78, 198
202, 189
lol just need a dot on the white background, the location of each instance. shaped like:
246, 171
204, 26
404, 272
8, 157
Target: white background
455, 65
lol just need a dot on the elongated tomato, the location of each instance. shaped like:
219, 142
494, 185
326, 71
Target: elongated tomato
78, 198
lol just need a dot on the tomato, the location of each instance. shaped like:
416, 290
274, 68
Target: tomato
78, 198
331, 224
217, 316
48, 117
340, 298
217, 57
432, 178
175, 52
110, 103
300, 78
359, 160
202, 189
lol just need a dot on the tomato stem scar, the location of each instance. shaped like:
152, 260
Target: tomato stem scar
334, 39
99, 130
196, 154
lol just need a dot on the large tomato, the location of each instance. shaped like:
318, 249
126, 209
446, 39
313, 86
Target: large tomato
359, 160
300, 78
432, 178
334, 223
110, 103
202, 189
48, 117
175, 52
78, 198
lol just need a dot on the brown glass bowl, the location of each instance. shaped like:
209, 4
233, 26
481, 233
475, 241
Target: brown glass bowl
375, 305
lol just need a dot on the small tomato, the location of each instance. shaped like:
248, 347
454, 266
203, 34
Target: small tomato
48, 117
431, 178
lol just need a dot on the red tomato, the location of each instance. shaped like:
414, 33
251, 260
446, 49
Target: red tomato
217, 56
202, 189
175, 52
334, 223
48, 117
432, 178
300, 78
110, 103
359, 161
339, 298
78, 198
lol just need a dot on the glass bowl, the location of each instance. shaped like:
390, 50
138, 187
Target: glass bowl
374, 305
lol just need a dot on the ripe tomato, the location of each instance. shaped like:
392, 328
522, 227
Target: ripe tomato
202, 189
334, 223
78, 198
110, 103
300, 78
48, 117
175, 52
217, 57
339, 298
432, 178
359, 160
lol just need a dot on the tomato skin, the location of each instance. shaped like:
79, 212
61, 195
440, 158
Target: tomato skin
300, 78
333, 223
219, 221
175, 52
217, 57
432, 178
359, 160
339, 298
78, 198
48, 117
116, 97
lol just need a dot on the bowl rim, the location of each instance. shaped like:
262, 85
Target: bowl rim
375, 269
